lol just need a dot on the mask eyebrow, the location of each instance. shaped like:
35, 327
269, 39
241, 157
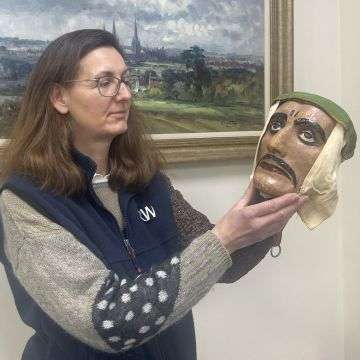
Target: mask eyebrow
313, 125
279, 116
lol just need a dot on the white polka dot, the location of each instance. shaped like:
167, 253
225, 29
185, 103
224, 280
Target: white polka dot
126, 347
125, 298
147, 308
175, 260
134, 288
112, 305
163, 296
109, 291
102, 305
161, 274
107, 283
114, 339
108, 324
149, 281
129, 316
160, 320
116, 277
130, 342
123, 282
144, 329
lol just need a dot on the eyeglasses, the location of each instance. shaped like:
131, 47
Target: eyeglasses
109, 86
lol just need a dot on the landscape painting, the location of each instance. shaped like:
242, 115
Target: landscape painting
197, 65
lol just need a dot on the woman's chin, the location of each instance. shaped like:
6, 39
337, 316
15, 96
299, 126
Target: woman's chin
118, 129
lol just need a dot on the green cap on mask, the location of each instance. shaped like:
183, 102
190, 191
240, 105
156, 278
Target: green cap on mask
333, 110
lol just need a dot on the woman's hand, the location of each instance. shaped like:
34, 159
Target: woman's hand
247, 223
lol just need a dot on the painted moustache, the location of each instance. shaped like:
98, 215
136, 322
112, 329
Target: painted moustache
270, 161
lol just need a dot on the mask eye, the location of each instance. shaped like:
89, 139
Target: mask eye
275, 126
307, 136
277, 122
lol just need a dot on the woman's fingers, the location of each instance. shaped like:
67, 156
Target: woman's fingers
249, 195
246, 224
274, 222
272, 206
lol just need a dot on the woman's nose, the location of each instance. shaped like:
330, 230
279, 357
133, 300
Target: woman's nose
124, 93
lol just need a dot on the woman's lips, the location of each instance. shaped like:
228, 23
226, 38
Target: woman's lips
119, 114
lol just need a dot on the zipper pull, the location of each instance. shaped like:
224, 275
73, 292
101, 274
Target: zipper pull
133, 256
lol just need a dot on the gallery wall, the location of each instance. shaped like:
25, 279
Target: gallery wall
350, 216
305, 304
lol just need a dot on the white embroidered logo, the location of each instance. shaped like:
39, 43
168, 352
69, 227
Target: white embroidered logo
147, 213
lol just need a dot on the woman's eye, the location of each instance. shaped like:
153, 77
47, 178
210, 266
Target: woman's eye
307, 136
105, 82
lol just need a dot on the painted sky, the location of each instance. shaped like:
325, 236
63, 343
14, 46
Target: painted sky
225, 26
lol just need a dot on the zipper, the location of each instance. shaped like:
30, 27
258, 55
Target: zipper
130, 250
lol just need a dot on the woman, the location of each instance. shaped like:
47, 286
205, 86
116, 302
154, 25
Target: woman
105, 259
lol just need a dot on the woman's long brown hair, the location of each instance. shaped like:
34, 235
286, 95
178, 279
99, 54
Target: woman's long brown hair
41, 139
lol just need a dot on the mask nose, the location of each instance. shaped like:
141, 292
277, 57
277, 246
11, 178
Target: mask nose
278, 142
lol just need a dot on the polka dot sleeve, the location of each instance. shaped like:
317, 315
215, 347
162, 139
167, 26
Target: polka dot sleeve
127, 313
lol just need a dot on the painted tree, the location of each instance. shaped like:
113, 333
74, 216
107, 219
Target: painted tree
200, 76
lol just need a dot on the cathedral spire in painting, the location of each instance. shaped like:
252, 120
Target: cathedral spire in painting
114, 29
135, 44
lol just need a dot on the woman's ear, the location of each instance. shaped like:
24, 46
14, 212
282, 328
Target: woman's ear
59, 99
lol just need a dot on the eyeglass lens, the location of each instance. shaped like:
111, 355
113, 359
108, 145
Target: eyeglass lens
109, 86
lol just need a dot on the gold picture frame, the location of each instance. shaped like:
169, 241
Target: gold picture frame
220, 146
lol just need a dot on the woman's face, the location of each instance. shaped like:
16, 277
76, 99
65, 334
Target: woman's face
97, 117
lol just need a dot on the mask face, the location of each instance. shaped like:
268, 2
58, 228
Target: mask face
294, 137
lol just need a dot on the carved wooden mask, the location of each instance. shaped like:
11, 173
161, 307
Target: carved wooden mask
294, 137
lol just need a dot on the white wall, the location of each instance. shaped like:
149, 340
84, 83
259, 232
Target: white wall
291, 307
350, 81
13, 334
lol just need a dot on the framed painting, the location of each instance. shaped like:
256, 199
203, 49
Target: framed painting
203, 72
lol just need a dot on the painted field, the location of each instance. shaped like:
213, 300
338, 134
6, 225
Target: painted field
166, 117
162, 117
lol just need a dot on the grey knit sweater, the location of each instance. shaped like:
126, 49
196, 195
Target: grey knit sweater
92, 303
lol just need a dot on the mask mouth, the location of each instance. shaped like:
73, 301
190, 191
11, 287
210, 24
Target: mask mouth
272, 163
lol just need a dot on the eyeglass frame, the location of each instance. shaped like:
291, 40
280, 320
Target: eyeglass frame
97, 80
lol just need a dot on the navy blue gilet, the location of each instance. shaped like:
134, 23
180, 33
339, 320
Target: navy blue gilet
85, 217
